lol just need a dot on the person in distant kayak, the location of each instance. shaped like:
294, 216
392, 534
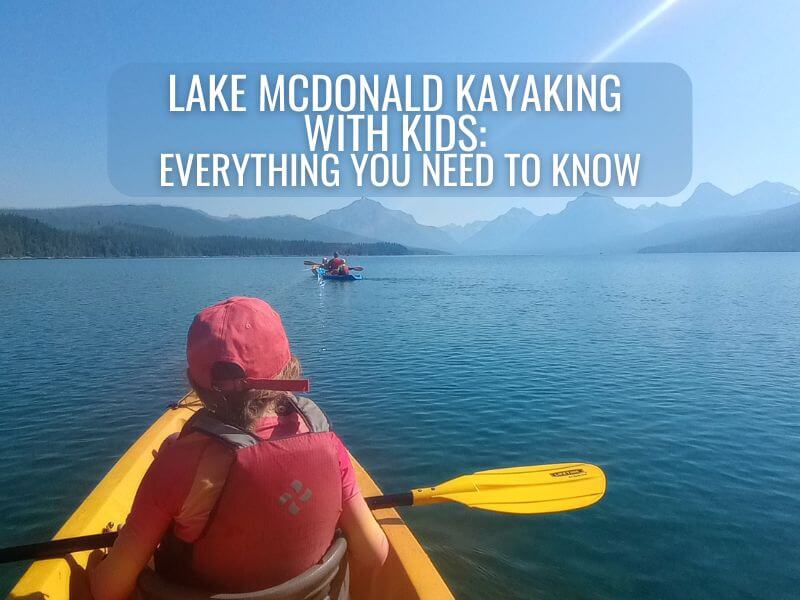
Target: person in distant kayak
336, 265
252, 490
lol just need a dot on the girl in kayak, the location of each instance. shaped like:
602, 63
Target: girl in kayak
251, 492
336, 265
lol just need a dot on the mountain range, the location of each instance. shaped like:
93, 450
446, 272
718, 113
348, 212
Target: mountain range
595, 224
372, 220
461, 232
764, 217
775, 230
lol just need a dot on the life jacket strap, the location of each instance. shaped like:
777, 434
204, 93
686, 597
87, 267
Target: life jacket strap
316, 420
233, 437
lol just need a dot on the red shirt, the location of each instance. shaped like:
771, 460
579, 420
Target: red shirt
335, 263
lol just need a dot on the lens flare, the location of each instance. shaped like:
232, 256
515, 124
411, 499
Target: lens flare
628, 35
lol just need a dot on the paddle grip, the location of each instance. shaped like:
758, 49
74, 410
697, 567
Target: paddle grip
390, 500
57, 548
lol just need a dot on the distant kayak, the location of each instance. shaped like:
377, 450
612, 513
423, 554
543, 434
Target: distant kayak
323, 272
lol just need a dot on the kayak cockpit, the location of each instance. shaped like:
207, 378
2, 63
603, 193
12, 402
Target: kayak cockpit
408, 573
327, 580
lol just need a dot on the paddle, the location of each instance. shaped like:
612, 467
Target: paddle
313, 264
518, 490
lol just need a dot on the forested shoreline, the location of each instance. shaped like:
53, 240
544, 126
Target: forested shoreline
23, 237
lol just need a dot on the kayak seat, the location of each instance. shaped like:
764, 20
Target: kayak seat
327, 580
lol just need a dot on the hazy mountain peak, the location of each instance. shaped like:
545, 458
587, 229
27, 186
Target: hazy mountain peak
771, 187
365, 202
496, 235
709, 201
370, 218
592, 197
706, 201
766, 195
460, 233
589, 201
368, 208
709, 188
517, 212
653, 207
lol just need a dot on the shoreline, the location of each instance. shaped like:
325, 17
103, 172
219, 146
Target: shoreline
26, 258
13, 258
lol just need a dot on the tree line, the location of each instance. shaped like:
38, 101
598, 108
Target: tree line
22, 237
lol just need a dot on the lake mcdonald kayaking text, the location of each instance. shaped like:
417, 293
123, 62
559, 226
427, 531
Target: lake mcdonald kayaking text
432, 130
350, 114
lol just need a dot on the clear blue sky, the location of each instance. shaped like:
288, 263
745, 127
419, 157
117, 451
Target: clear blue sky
56, 58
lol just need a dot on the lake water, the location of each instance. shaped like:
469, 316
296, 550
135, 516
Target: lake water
678, 374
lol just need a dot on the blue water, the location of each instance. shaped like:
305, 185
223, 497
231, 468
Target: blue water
678, 374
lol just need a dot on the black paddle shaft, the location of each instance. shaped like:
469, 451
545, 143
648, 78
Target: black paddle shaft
390, 500
59, 548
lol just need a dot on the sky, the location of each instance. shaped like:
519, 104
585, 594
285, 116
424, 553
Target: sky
56, 60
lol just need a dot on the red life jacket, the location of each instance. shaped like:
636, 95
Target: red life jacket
335, 263
276, 516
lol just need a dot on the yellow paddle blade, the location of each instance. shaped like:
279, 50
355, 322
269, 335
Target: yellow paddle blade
522, 490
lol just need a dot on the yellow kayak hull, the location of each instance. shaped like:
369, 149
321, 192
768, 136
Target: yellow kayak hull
408, 573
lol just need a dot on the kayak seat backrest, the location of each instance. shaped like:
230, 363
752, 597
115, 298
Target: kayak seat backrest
327, 580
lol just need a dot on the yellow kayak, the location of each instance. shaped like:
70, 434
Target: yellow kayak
407, 575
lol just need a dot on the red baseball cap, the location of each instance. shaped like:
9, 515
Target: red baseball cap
247, 333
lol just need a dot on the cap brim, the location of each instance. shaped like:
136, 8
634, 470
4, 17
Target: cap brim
275, 385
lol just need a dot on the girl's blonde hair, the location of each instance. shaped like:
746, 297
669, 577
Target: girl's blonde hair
243, 409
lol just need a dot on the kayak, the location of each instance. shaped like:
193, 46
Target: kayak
408, 573
323, 272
